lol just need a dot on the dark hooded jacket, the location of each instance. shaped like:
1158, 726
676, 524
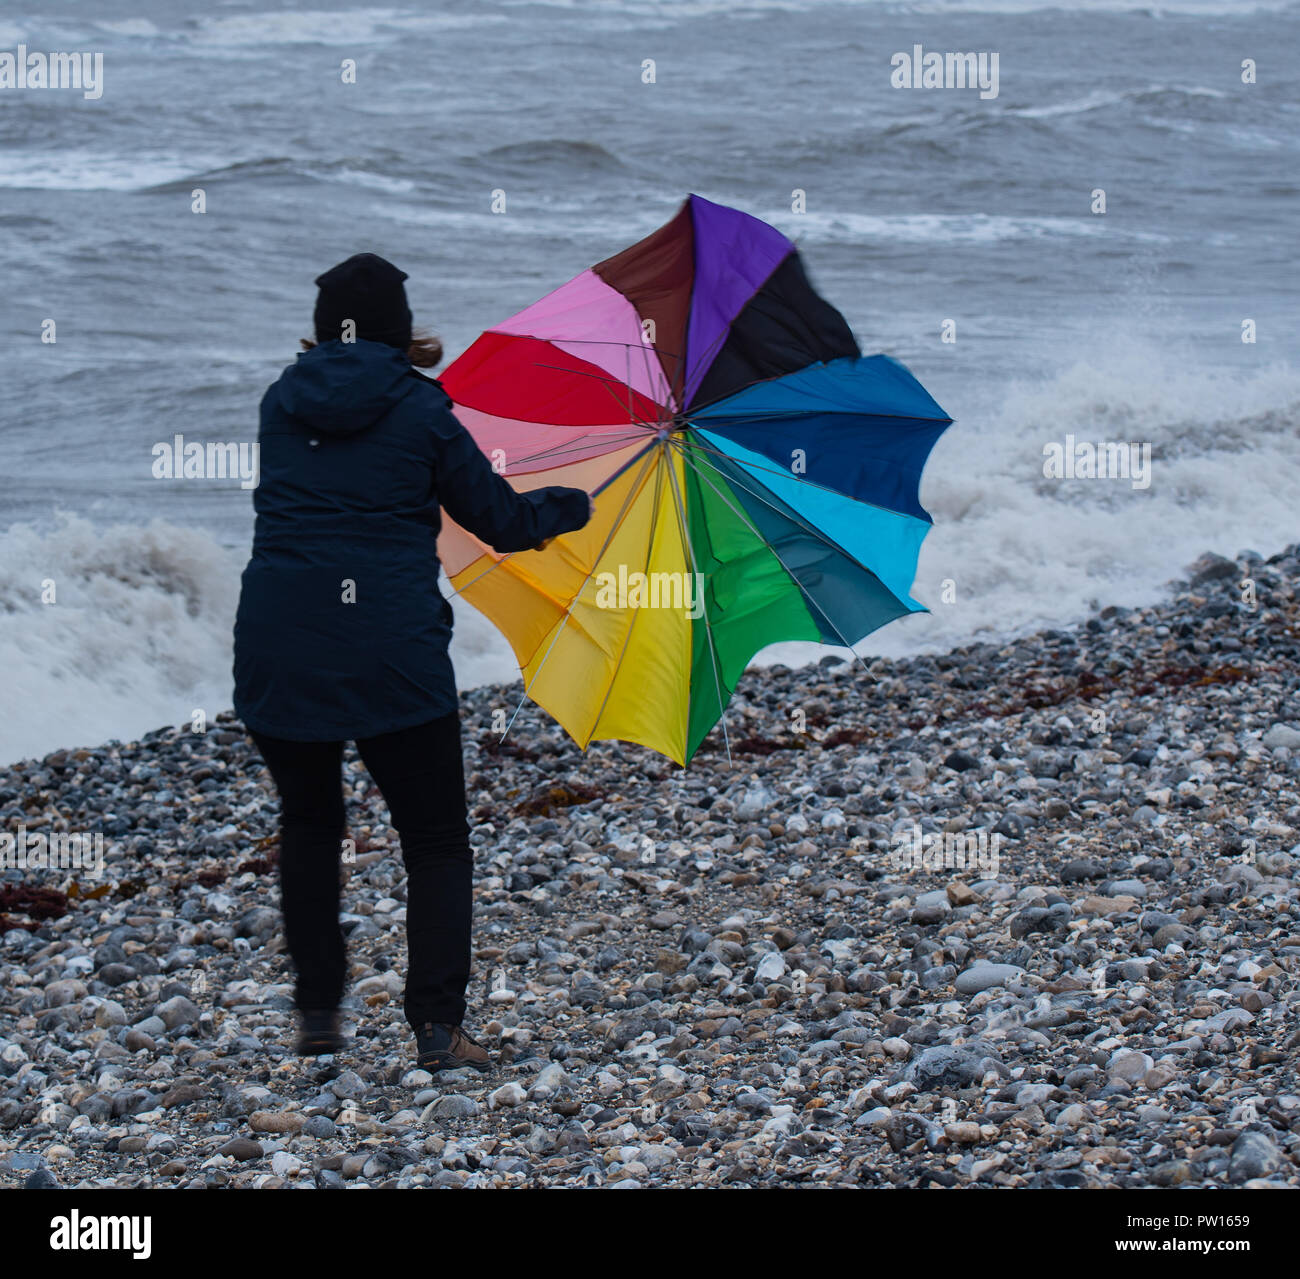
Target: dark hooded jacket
342, 631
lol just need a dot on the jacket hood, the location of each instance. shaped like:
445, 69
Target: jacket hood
344, 387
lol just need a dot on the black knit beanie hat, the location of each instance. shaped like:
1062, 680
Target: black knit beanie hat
367, 290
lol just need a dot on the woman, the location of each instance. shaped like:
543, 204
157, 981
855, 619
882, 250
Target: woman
342, 635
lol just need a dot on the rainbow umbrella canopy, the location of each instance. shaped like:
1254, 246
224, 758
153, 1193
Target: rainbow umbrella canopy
756, 478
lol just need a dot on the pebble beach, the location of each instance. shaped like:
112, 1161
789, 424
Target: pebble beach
733, 974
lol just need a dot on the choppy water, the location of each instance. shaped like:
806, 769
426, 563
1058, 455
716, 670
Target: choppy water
922, 206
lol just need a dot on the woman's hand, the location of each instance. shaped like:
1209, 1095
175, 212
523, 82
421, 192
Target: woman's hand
591, 511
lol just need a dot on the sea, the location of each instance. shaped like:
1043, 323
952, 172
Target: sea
1096, 248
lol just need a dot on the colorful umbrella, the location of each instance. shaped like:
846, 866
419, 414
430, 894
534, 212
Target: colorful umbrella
756, 477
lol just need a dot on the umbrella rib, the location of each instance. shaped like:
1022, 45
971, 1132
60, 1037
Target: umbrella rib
568, 612
654, 365
827, 408
650, 368
627, 638
556, 341
598, 489
783, 564
605, 380
812, 528
574, 447
711, 352
776, 377
798, 479
708, 629
808, 594
645, 347
608, 480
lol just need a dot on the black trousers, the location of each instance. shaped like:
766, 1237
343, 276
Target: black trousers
421, 775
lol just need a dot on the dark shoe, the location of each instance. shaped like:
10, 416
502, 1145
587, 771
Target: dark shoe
319, 1035
442, 1047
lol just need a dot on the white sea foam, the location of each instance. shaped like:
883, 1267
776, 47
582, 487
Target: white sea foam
1026, 552
832, 227
78, 170
141, 633
327, 27
813, 227
138, 635
360, 178
1105, 98
1157, 8
134, 27
676, 9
